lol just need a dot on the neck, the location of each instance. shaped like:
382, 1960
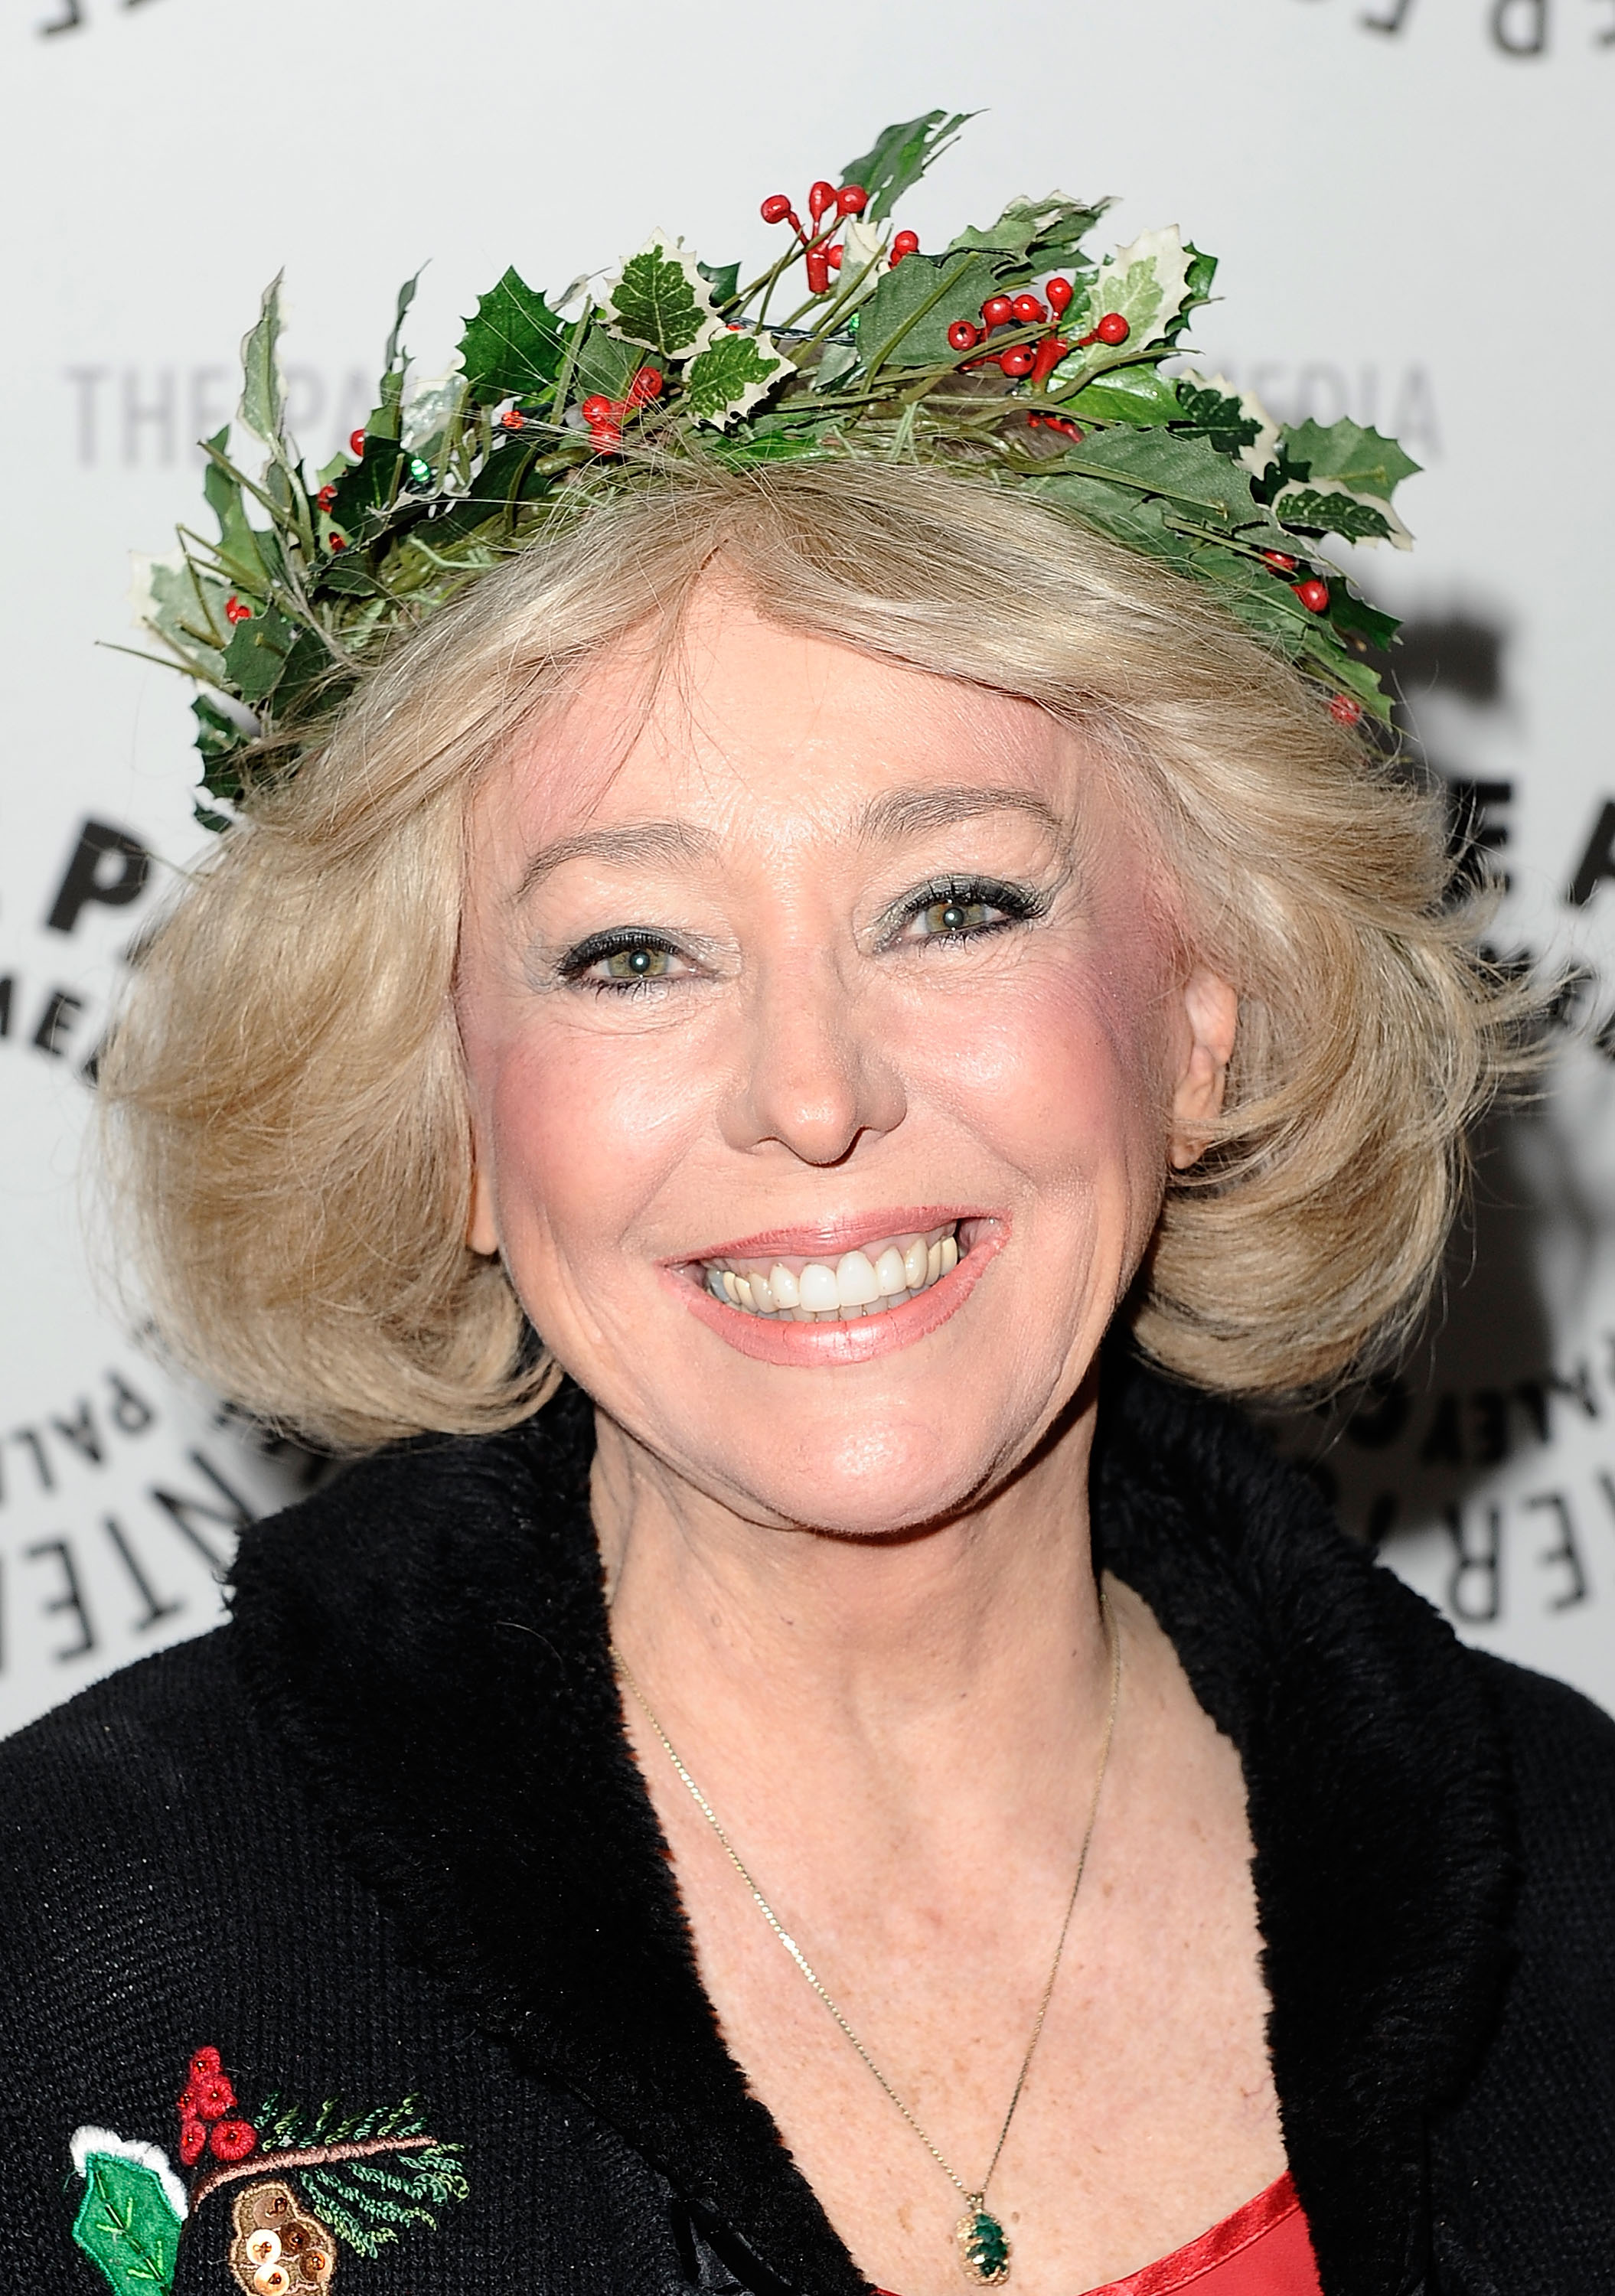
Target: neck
941, 1653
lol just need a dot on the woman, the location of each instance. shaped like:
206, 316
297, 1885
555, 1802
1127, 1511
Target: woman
869, 1783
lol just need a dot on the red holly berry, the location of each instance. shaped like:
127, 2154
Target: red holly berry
1112, 328
339, 542
1060, 422
1018, 362
1277, 560
963, 337
326, 498
193, 2139
356, 443
776, 207
1028, 308
1050, 351
833, 256
852, 199
997, 311
1059, 292
646, 385
209, 2095
513, 419
1313, 594
821, 199
816, 263
1344, 710
234, 612
232, 2140
907, 242
605, 438
597, 409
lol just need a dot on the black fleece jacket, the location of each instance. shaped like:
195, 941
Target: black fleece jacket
381, 1844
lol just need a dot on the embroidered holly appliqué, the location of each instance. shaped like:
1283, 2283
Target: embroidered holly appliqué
307, 2182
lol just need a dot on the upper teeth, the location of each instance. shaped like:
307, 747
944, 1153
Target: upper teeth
867, 1283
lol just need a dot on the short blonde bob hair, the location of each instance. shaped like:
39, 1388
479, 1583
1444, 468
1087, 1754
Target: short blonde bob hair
284, 1090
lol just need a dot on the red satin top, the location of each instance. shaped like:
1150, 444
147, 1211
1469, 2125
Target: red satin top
1263, 2249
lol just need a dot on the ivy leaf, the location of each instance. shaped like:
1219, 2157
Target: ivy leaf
906, 321
1327, 507
127, 2222
263, 390
723, 278
730, 376
512, 345
1035, 234
1146, 281
899, 156
659, 298
1359, 458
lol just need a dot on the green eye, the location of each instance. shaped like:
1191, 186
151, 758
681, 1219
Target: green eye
956, 916
637, 964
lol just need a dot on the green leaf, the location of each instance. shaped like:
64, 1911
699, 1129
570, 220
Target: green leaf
1336, 511
1188, 473
1197, 289
127, 2225
237, 541
1359, 458
513, 344
406, 296
723, 278
1208, 413
906, 321
604, 365
1139, 394
900, 155
263, 393
659, 298
730, 376
367, 488
1035, 234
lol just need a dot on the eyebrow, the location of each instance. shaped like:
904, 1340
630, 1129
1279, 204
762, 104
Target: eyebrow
906, 812
637, 841
895, 814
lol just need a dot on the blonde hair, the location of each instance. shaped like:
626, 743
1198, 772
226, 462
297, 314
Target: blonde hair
288, 1119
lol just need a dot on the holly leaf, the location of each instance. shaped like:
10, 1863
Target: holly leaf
1202, 271
263, 405
512, 345
1236, 421
1359, 458
128, 2222
1329, 508
238, 542
366, 490
730, 376
1035, 234
183, 606
659, 298
723, 278
906, 321
1146, 282
899, 156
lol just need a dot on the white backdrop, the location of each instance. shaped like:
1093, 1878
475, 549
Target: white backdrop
1411, 205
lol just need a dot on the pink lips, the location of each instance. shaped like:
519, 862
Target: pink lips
816, 1346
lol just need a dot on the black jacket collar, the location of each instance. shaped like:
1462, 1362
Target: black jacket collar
428, 1636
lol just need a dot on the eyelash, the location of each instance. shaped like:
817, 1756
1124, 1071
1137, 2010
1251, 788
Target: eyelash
1015, 904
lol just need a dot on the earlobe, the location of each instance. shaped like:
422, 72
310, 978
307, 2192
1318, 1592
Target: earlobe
1211, 1007
482, 1230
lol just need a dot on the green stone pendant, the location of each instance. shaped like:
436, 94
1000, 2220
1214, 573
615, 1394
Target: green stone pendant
984, 2246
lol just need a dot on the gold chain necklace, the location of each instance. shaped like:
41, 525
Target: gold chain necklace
984, 2245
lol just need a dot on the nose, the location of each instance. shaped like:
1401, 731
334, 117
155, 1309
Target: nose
812, 1077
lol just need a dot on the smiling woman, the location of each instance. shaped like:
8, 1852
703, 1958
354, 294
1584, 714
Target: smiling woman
827, 968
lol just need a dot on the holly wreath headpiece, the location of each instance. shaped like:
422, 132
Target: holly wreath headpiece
1014, 352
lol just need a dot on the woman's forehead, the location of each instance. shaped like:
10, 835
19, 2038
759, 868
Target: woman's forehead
738, 720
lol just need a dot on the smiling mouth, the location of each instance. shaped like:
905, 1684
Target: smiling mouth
792, 1288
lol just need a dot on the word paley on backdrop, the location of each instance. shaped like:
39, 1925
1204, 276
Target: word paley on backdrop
1516, 27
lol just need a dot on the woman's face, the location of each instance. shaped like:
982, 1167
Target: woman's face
779, 999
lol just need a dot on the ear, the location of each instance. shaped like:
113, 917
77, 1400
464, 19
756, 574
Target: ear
1211, 1008
481, 1229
